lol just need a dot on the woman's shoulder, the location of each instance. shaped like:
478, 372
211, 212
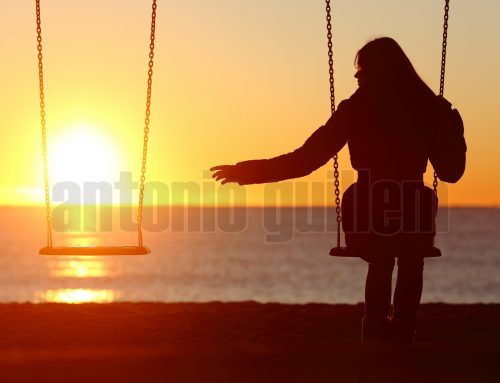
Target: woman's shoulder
352, 101
362, 96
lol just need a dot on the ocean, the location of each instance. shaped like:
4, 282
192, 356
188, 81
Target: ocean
200, 255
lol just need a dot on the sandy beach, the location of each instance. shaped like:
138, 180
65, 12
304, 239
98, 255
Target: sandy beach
239, 342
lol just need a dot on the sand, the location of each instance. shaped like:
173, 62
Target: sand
239, 342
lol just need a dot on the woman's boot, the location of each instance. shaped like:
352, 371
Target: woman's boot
402, 331
375, 331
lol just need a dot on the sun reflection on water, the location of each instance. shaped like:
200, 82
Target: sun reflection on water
77, 296
84, 269
89, 267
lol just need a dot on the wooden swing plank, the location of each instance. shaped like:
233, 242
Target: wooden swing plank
94, 250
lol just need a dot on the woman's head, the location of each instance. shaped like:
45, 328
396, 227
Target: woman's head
384, 63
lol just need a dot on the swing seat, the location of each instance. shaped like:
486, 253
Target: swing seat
431, 252
94, 250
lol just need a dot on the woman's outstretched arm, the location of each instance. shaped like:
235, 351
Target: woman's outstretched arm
316, 151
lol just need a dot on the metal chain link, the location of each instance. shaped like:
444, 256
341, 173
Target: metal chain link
43, 124
332, 107
146, 122
443, 68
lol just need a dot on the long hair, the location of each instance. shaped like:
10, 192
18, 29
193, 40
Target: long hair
387, 68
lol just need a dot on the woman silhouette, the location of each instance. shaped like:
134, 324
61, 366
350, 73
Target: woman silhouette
393, 124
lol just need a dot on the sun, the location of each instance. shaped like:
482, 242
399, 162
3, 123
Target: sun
82, 153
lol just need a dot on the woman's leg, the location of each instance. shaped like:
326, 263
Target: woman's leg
378, 287
407, 298
375, 328
408, 287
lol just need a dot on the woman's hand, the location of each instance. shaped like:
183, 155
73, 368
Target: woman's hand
225, 174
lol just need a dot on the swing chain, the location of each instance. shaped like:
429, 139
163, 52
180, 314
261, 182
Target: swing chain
43, 124
445, 43
332, 108
146, 121
330, 55
443, 68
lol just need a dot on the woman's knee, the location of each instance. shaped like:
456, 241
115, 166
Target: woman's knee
411, 263
381, 265
410, 267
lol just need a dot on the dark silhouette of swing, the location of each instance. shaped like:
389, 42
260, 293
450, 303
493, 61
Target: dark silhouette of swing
140, 249
360, 252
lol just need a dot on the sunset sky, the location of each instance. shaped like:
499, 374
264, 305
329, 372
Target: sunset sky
233, 80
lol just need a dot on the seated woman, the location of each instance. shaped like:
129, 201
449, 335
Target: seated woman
393, 124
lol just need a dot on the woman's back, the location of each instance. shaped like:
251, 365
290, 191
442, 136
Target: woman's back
389, 135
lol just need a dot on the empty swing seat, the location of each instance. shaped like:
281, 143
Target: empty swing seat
94, 250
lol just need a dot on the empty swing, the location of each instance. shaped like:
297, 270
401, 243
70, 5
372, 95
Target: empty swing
350, 251
140, 248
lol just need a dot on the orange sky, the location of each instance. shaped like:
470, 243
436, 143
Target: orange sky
234, 80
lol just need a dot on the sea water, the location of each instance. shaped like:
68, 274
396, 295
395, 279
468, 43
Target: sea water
200, 255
